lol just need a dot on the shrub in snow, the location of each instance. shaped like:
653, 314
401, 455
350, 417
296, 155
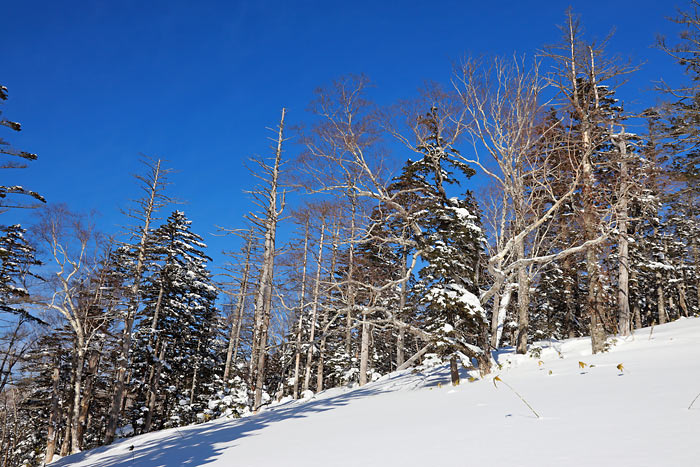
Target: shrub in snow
231, 402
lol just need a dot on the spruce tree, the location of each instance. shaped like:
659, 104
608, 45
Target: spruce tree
174, 361
451, 247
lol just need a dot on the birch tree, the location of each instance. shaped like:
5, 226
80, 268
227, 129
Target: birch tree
584, 76
72, 244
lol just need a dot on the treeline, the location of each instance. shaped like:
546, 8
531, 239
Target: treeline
589, 226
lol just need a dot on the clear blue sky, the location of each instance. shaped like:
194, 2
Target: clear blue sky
96, 83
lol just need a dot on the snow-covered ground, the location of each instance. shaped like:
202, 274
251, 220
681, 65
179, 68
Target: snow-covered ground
592, 414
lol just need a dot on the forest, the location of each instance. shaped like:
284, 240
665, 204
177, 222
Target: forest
368, 248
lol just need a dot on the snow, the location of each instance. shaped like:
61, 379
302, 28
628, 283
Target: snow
592, 413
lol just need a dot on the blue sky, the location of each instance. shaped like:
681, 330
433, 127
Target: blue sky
96, 83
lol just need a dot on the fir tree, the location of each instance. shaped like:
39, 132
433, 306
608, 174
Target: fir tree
451, 246
174, 361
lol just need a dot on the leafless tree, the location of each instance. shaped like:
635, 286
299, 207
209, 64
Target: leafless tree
270, 198
74, 246
583, 72
145, 212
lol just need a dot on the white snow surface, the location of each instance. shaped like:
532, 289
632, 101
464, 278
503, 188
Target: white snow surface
595, 415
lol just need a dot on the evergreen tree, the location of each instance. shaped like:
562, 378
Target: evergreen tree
17, 160
16, 256
451, 246
174, 361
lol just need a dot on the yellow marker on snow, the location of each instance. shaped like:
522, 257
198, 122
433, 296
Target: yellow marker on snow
620, 367
582, 365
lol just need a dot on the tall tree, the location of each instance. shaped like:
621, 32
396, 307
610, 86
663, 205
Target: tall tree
271, 198
145, 214
176, 327
585, 77
73, 245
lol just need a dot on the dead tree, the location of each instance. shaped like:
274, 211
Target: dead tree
271, 199
237, 321
315, 298
305, 218
145, 211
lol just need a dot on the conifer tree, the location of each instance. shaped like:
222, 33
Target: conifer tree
17, 160
451, 244
174, 358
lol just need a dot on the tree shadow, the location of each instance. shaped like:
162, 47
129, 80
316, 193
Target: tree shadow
204, 443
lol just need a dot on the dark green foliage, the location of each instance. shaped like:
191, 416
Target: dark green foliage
175, 333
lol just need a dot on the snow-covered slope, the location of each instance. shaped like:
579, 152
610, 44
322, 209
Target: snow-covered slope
592, 414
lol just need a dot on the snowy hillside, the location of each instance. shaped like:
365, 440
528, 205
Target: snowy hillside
591, 414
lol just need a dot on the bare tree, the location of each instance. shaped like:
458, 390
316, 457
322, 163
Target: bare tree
315, 299
343, 157
237, 320
304, 216
272, 202
152, 183
583, 76
504, 109
73, 245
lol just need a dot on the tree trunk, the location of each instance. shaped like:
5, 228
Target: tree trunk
153, 388
65, 444
569, 296
660, 300
364, 350
636, 311
319, 365
523, 302
314, 307
68, 412
77, 387
263, 302
454, 371
590, 221
696, 255
123, 357
257, 326
232, 350
500, 318
495, 319
92, 367
624, 319
302, 299
400, 357
682, 299
195, 373
52, 430
351, 272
